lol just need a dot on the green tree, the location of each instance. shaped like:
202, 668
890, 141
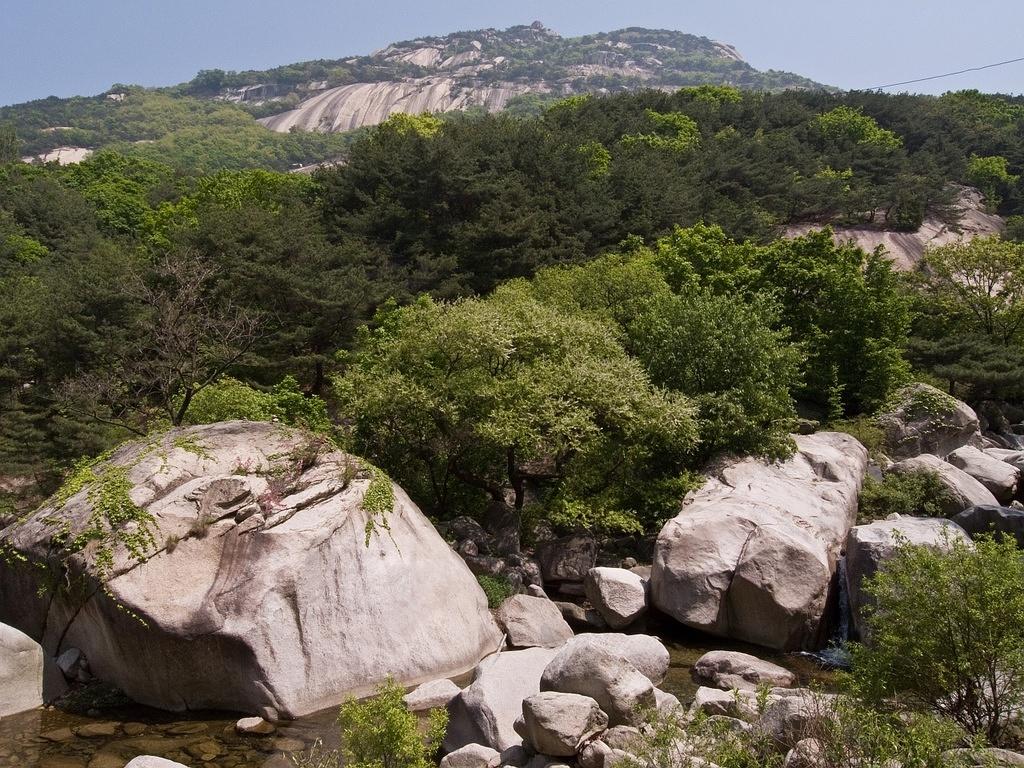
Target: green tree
10, 145
500, 395
946, 634
848, 125
992, 176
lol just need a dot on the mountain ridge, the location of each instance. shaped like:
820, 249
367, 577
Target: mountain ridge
520, 68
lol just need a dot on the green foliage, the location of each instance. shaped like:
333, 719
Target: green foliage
991, 175
496, 588
958, 614
425, 125
918, 494
378, 502
464, 401
849, 733
673, 131
230, 399
849, 125
380, 732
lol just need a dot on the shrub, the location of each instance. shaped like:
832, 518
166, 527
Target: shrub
380, 732
947, 634
850, 734
230, 399
918, 494
496, 588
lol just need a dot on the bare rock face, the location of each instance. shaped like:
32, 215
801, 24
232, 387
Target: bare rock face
927, 420
964, 490
732, 669
1000, 477
485, 712
752, 553
869, 546
245, 565
906, 249
619, 689
558, 724
620, 596
21, 672
533, 622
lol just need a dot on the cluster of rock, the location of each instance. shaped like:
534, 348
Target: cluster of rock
542, 705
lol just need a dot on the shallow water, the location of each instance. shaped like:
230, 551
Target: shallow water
54, 739
50, 738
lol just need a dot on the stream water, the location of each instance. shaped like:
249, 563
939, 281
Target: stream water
50, 738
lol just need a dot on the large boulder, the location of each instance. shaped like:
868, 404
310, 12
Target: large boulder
868, 546
1000, 477
568, 558
924, 419
245, 565
588, 669
992, 519
486, 711
472, 756
620, 596
558, 724
646, 653
963, 490
533, 622
21, 672
752, 553
732, 669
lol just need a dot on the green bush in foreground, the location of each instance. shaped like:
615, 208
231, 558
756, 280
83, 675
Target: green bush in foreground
947, 635
380, 732
230, 399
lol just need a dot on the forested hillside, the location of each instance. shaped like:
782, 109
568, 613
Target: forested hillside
210, 123
638, 233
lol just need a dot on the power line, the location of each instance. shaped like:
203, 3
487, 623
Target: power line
948, 74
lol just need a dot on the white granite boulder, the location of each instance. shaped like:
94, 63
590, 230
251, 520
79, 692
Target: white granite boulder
1000, 477
620, 596
532, 622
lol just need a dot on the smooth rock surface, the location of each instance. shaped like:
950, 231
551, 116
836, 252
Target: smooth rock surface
568, 558
927, 420
533, 622
21, 672
869, 546
472, 756
485, 712
606, 677
964, 490
148, 761
751, 554
436, 693
646, 653
992, 519
272, 596
558, 724
732, 669
1000, 477
620, 596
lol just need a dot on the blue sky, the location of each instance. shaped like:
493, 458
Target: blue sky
68, 47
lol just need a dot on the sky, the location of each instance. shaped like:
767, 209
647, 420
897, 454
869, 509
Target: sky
82, 47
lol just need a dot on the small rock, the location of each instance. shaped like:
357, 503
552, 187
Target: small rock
149, 761
516, 756
593, 755
134, 729
96, 730
558, 724
535, 590
619, 595
186, 729
621, 737
288, 744
991, 757
807, 753
57, 735
436, 693
472, 756
533, 622
254, 726
731, 669
205, 750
